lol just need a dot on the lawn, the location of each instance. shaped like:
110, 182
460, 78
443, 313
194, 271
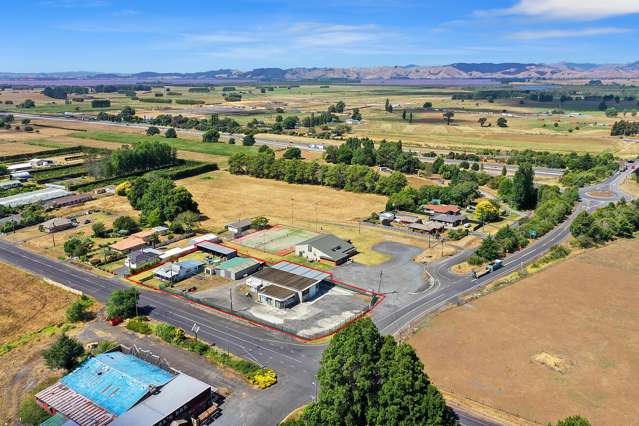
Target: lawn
555, 344
220, 149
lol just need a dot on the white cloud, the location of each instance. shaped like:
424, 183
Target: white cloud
584, 32
569, 9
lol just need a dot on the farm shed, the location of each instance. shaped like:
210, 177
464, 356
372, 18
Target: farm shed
240, 226
206, 237
429, 227
405, 218
9, 184
177, 252
41, 195
237, 268
69, 200
217, 249
326, 248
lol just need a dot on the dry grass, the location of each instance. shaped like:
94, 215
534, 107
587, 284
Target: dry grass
224, 198
28, 304
631, 187
580, 312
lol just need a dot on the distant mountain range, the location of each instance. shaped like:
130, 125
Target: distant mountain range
561, 71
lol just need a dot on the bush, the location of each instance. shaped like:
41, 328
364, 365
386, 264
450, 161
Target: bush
457, 234
264, 378
78, 310
475, 260
139, 325
63, 353
151, 131
166, 332
31, 413
103, 346
170, 133
123, 188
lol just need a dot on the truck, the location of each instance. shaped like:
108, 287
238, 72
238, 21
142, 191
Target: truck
491, 267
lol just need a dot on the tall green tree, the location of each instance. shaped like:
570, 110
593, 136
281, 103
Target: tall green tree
524, 194
123, 303
367, 379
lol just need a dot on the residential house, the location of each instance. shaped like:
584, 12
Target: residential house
326, 248
429, 227
177, 271
58, 224
450, 220
140, 259
129, 244
434, 209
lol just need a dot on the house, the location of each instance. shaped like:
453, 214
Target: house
450, 220
9, 184
57, 224
405, 218
69, 200
178, 271
326, 248
217, 249
237, 228
282, 289
433, 209
236, 268
129, 244
386, 218
140, 259
429, 227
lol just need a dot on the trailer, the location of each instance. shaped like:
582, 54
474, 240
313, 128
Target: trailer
491, 267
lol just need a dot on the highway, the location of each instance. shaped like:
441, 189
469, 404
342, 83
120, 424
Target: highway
496, 168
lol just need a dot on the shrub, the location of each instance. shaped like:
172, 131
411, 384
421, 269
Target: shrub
78, 310
167, 332
103, 346
151, 131
63, 353
31, 413
475, 260
123, 188
139, 325
457, 234
264, 378
170, 133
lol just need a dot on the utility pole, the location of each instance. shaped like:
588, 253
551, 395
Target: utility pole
379, 287
316, 221
292, 209
231, 297
52, 237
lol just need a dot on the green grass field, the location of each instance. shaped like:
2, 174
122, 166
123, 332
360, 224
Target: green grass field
179, 143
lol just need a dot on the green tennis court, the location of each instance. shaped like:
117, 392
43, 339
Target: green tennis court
280, 240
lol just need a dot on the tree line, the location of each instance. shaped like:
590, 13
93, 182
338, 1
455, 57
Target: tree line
356, 151
625, 128
354, 178
619, 220
145, 155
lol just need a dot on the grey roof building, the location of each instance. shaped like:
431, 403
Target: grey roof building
140, 258
58, 224
240, 226
326, 247
450, 219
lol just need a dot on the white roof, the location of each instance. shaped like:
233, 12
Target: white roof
19, 166
206, 237
170, 397
34, 197
176, 251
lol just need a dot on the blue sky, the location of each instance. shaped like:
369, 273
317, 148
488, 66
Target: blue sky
192, 35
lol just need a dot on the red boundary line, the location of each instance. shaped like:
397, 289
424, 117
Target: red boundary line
380, 297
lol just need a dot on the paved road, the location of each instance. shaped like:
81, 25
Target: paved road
496, 168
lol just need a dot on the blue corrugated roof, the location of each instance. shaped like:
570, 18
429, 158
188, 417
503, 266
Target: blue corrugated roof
115, 381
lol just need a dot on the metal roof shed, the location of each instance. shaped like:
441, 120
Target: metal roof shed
217, 249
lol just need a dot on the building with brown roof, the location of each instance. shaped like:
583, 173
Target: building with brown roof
433, 209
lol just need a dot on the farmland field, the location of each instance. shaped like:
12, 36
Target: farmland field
558, 343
